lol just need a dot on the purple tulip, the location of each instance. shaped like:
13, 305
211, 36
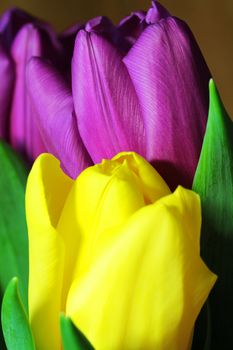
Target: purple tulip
170, 77
153, 100
171, 80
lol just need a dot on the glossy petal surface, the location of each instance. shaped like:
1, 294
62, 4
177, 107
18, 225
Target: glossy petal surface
47, 189
99, 247
87, 224
52, 100
146, 290
171, 81
24, 134
105, 102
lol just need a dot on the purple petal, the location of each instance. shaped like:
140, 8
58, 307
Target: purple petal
53, 102
24, 134
6, 89
171, 80
30, 41
105, 102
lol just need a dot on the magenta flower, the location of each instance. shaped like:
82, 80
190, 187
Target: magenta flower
165, 119
171, 81
139, 86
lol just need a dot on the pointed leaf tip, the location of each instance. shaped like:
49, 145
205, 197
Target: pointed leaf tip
216, 108
213, 89
214, 183
16, 328
72, 337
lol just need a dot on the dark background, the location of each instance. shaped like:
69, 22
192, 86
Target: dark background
210, 20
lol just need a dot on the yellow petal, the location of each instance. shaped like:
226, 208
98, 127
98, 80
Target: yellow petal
46, 192
103, 198
152, 184
99, 202
146, 291
188, 211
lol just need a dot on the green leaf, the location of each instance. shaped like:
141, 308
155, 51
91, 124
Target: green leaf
73, 338
214, 182
13, 229
16, 329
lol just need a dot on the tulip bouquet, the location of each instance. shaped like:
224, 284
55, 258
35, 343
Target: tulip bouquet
116, 183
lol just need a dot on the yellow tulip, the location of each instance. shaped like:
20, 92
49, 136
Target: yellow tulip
117, 252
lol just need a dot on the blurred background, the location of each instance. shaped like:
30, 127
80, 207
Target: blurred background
210, 20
